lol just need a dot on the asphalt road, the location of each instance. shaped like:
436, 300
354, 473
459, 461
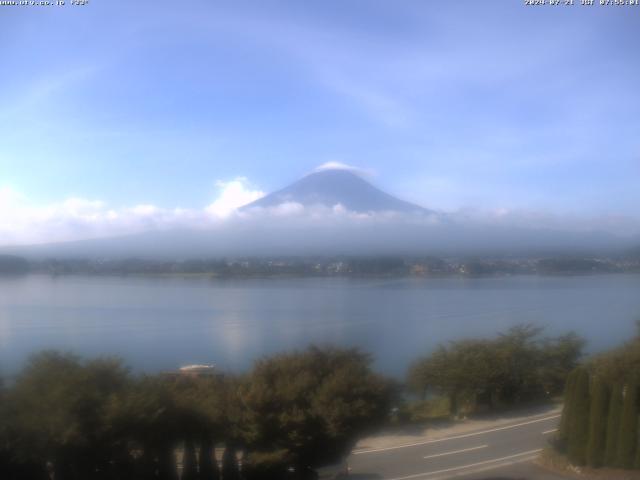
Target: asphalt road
504, 452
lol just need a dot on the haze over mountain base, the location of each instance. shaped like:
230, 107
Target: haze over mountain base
335, 212
305, 238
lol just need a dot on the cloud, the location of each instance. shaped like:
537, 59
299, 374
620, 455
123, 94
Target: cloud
334, 165
75, 218
621, 225
22, 222
233, 194
145, 210
8, 198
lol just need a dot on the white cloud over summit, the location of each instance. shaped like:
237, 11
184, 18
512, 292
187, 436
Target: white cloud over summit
334, 165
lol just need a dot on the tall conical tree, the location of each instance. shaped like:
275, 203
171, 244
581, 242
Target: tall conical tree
208, 464
565, 420
598, 423
167, 469
189, 462
579, 419
627, 439
230, 464
613, 425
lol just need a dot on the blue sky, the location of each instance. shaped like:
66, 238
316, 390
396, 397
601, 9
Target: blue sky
489, 105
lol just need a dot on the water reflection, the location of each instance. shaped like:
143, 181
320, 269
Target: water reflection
158, 324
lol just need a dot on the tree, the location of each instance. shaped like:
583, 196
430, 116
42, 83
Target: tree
433, 372
565, 420
598, 423
516, 366
558, 357
208, 465
627, 439
619, 364
272, 465
613, 424
58, 405
148, 418
519, 353
7, 465
230, 463
203, 416
465, 369
313, 405
189, 462
579, 419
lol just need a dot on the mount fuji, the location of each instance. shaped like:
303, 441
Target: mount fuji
333, 187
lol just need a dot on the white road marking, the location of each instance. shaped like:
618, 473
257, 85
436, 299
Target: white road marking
463, 467
486, 468
456, 451
455, 437
550, 431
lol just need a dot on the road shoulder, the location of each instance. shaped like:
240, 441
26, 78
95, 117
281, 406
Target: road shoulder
398, 438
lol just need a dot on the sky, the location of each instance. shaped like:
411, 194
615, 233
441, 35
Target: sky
124, 116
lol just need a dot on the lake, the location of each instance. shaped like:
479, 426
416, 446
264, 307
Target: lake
162, 323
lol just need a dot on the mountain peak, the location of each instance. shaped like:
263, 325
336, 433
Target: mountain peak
336, 186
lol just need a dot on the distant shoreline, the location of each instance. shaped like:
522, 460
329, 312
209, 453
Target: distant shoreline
339, 266
282, 276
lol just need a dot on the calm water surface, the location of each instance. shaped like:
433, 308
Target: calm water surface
162, 323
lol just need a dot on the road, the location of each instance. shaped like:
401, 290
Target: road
504, 452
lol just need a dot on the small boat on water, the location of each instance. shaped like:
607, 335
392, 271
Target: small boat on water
199, 370
196, 370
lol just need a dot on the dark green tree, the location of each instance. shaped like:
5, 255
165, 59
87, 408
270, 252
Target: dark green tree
230, 463
189, 462
313, 404
579, 419
58, 406
167, 469
619, 364
600, 396
558, 357
204, 415
436, 373
518, 365
613, 424
149, 420
520, 362
8, 467
627, 439
208, 465
273, 465
465, 369
565, 420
